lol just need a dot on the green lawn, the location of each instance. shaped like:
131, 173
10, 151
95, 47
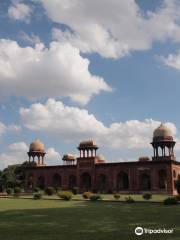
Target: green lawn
24, 219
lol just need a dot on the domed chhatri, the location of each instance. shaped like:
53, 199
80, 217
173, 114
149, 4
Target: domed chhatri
163, 132
36, 146
88, 148
36, 149
69, 159
88, 143
163, 140
100, 159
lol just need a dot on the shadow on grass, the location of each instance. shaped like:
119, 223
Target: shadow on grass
88, 221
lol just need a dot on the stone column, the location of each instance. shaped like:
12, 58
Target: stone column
38, 159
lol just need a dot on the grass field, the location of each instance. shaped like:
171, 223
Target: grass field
22, 219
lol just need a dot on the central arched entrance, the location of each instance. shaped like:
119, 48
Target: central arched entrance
144, 181
56, 180
102, 183
72, 182
30, 183
41, 182
162, 179
122, 181
85, 182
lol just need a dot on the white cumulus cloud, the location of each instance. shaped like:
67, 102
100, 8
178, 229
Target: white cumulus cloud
172, 60
53, 157
57, 118
71, 123
39, 72
16, 154
113, 28
12, 128
20, 11
29, 38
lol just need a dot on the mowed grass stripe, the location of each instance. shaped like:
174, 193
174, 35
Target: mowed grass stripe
22, 219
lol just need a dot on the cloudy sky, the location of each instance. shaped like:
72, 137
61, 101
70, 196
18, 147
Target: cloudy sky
72, 70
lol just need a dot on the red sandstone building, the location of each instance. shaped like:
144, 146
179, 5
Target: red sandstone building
90, 171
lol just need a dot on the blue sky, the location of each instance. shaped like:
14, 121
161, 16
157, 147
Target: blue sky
74, 70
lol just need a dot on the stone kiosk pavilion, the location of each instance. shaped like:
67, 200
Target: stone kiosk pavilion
91, 172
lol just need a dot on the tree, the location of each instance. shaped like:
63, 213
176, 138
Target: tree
12, 176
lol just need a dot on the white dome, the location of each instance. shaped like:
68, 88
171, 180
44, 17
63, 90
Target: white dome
37, 146
162, 131
101, 157
87, 144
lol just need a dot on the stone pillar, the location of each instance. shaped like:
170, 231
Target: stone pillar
38, 159
91, 152
156, 152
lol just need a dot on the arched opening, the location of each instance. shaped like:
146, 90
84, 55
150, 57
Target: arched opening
122, 181
41, 182
72, 182
102, 182
162, 179
85, 182
56, 180
30, 182
144, 181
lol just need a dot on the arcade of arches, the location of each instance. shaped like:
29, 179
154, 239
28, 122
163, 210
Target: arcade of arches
103, 182
90, 172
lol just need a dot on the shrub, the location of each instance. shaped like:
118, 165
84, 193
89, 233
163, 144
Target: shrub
9, 191
17, 191
50, 191
65, 195
37, 189
75, 190
37, 195
171, 201
95, 197
116, 196
129, 199
147, 196
86, 195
